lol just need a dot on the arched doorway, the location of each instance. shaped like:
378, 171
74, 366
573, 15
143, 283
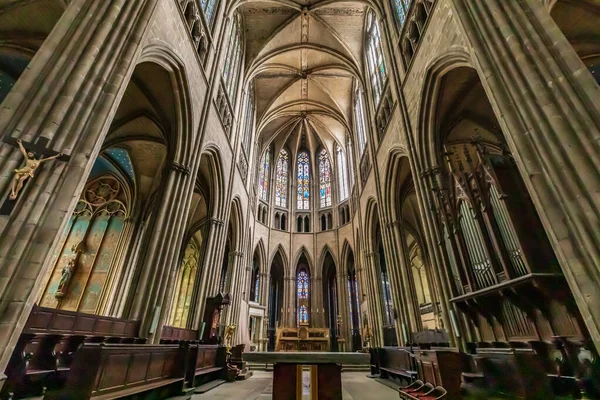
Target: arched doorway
330, 300
275, 298
353, 300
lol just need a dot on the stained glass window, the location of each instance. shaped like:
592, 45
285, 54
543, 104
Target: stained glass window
375, 58
359, 120
303, 315
324, 179
302, 284
263, 179
256, 284
350, 298
233, 58
303, 181
357, 300
342, 174
401, 7
208, 8
281, 186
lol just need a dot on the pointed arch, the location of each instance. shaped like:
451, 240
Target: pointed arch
211, 170
284, 258
303, 251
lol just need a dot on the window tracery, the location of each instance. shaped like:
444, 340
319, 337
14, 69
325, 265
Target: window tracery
302, 283
359, 121
233, 58
185, 285
281, 185
249, 125
208, 8
325, 178
303, 181
375, 58
342, 174
263, 176
401, 7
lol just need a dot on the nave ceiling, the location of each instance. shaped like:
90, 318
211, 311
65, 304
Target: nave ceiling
305, 60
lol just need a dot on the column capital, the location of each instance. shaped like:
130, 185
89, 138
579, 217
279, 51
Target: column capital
177, 167
217, 221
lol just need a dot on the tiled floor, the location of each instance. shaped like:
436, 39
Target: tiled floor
356, 386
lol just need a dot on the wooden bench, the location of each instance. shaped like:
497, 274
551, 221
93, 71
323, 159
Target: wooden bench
206, 362
108, 371
397, 364
173, 335
44, 352
442, 367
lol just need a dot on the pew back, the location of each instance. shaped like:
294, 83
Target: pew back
106, 371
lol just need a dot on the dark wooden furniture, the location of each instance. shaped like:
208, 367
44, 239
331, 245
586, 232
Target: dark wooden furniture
442, 367
50, 338
204, 364
108, 371
326, 372
397, 364
514, 372
212, 313
171, 335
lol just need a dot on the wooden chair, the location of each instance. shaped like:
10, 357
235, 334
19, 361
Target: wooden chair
417, 391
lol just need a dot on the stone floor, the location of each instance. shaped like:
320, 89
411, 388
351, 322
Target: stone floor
356, 386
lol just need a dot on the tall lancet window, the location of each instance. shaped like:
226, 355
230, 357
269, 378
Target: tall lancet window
401, 7
281, 186
359, 121
263, 176
324, 179
302, 283
375, 58
303, 181
342, 167
249, 124
208, 8
233, 58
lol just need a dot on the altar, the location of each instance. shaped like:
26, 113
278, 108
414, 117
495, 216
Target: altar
302, 339
325, 373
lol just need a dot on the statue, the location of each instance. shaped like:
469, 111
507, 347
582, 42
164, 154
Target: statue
367, 334
228, 335
67, 274
27, 171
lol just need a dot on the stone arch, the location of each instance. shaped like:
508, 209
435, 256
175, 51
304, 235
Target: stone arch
181, 144
428, 143
211, 170
311, 267
284, 258
259, 250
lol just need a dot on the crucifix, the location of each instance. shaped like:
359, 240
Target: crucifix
34, 154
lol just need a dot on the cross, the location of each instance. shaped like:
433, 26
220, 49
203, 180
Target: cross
39, 149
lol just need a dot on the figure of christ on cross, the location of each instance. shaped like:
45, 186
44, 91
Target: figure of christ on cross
27, 171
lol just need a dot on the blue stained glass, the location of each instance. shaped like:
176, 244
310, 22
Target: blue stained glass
282, 179
256, 285
325, 179
121, 158
303, 181
303, 315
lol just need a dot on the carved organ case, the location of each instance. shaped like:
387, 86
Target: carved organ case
504, 274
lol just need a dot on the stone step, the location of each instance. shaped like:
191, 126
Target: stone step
209, 386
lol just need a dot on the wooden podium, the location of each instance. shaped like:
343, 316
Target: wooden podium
325, 373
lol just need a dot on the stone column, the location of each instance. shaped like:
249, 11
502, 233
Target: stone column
235, 287
159, 266
66, 95
549, 108
374, 299
207, 270
344, 307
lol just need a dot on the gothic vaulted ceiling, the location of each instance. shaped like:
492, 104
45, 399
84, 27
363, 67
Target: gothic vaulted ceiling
305, 59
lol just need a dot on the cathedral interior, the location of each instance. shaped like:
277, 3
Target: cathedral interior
184, 183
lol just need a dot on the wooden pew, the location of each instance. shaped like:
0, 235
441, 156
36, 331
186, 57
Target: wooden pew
442, 366
205, 366
45, 349
397, 364
172, 335
108, 371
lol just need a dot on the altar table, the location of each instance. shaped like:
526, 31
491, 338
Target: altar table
325, 372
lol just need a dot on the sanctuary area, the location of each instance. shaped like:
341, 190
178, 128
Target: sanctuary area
406, 192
